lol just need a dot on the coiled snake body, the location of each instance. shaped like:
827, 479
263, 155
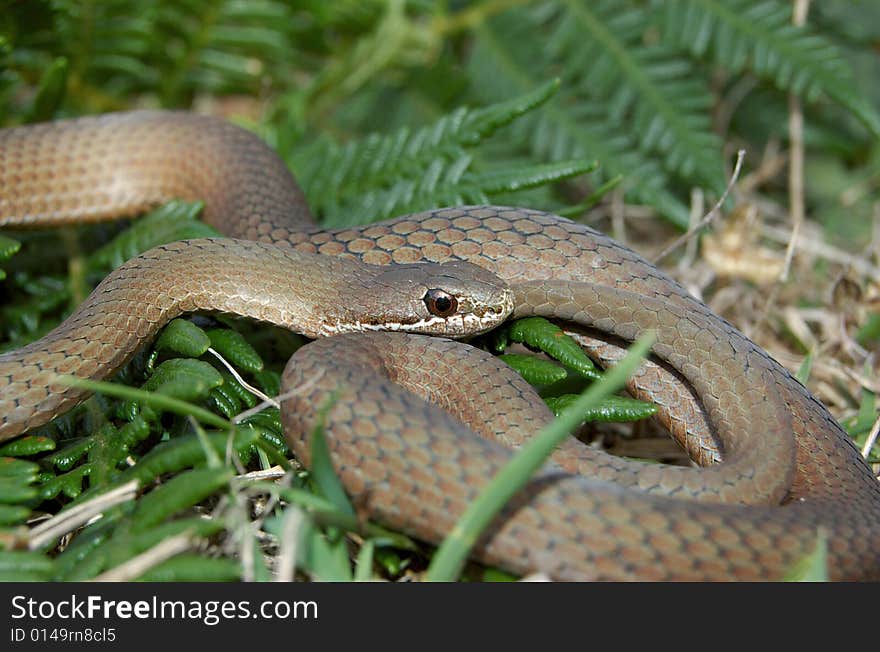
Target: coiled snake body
396, 430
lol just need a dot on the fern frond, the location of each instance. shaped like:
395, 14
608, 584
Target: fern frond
50, 92
224, 46
171, 48
602, 50
9, 78
508, 58
176, 220
759, 36
106, 41
383, 175
370, 161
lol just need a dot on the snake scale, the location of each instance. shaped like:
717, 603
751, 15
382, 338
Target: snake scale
421, 423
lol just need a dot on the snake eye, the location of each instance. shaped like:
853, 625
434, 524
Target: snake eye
440, 303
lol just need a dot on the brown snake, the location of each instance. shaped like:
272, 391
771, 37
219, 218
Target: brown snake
788, 469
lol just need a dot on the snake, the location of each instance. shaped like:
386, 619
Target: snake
420, 419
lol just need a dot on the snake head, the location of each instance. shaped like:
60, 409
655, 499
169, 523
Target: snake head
453, 299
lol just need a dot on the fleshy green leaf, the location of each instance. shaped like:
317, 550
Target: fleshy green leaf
535, 370
190, 567
542, 334
13, 491
18, 470
180, 492
25, 561
13, 514
613, 408
237, 351
182, 337
183, 453
27, 446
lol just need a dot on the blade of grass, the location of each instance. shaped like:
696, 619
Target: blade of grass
161, 401
814, 566
364, 568
452, 554
323, 473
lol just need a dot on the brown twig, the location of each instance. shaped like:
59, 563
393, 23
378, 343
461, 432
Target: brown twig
796, 155
708, 217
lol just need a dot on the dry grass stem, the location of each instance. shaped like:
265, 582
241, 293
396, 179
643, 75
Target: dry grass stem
140, 564
710, 216
290, 527
871, 440
796, 156
69, 520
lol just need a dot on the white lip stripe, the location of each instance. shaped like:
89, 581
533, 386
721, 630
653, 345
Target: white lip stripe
457, 324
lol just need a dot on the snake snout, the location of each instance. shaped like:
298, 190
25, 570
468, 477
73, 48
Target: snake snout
461, 300
451, 299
